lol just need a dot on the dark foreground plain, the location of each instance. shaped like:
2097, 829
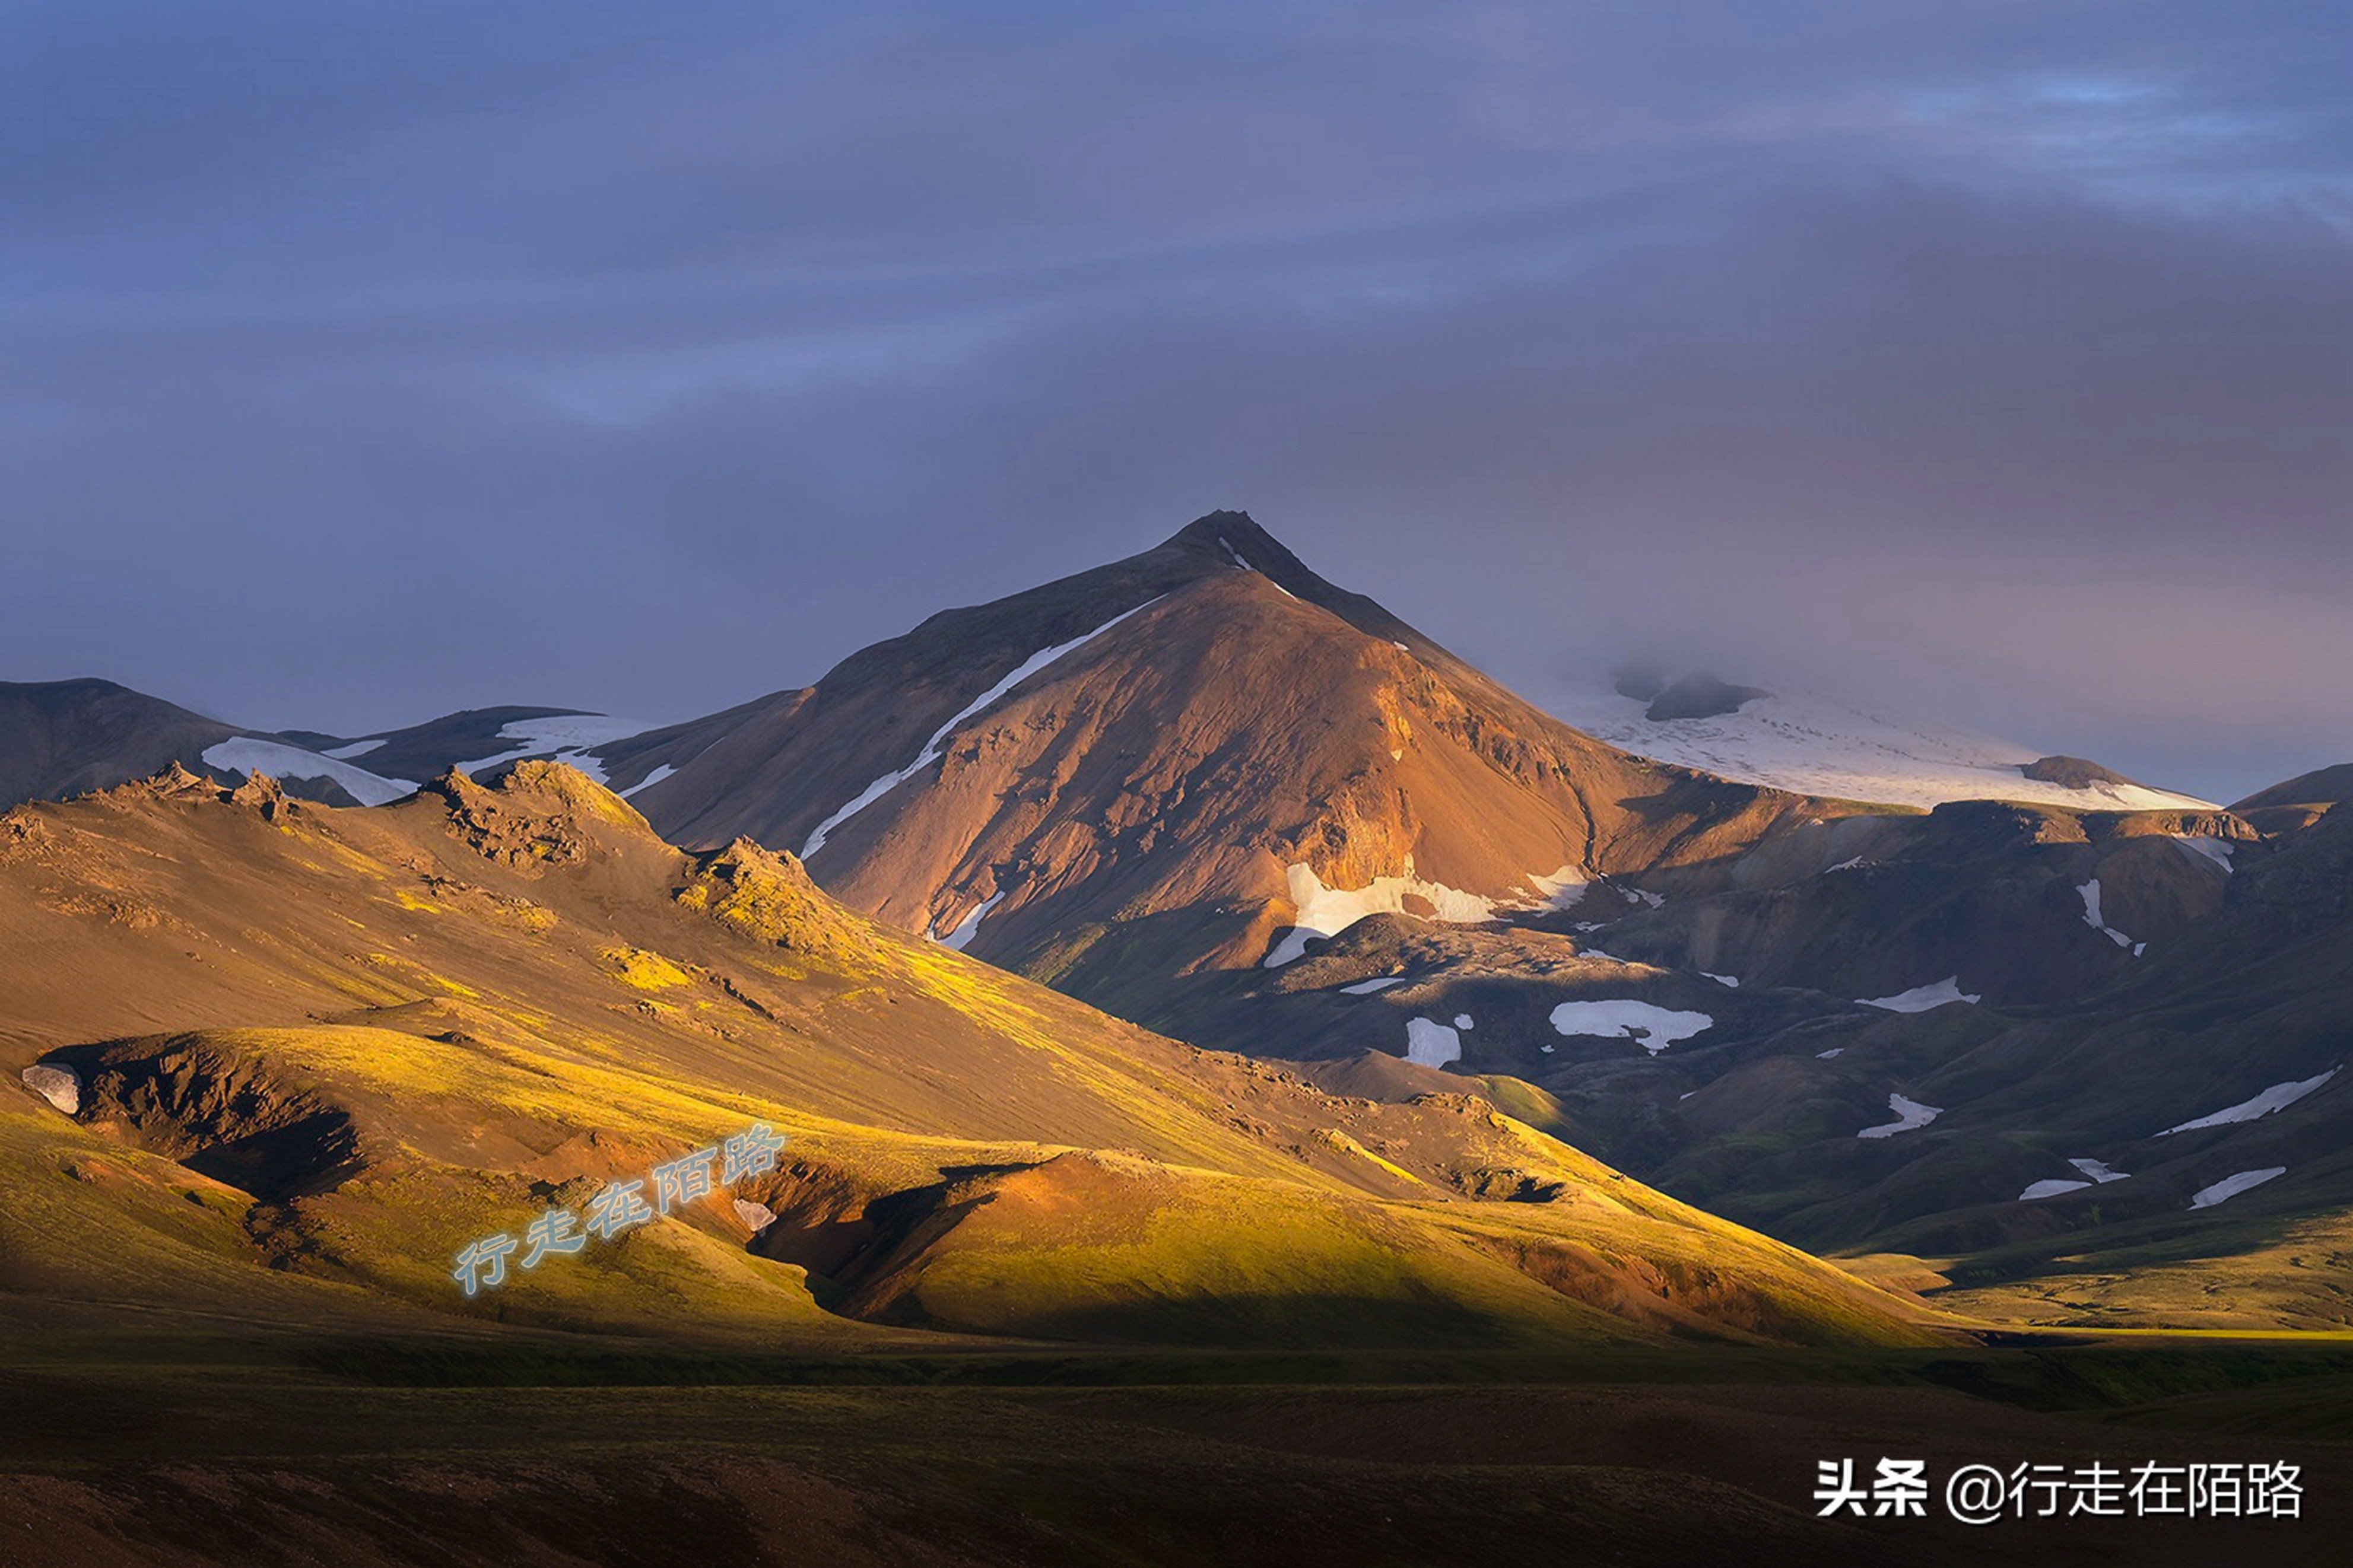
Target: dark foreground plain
126, 1438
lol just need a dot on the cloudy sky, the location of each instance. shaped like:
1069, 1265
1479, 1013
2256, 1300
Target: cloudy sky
1990, 363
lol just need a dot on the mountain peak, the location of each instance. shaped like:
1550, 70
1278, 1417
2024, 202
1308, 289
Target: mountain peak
1235, 540
1223, 533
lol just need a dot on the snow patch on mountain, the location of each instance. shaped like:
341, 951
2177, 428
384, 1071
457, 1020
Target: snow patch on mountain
1430, 1044
1236, 556
1559, 890
1731, 980
1921, 998
355, 749
244, 754
652, 779
1327, 911
2218, 850
2230, 1187
1655, 1028
2050, 1189
1366, 987
570, 738
931, 752
2099, 1171
2279, 1097
2090, 893
961, 937
1910, 1114
1815, 745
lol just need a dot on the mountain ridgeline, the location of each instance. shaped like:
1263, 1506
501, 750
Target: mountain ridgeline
1992, 1041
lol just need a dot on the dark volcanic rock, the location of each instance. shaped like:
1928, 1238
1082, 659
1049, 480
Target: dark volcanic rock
1700, 697
2071, 773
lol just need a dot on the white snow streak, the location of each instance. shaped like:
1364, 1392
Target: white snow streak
2050, 1189
961, 938
1731, 980
1366, 987
2279, 1097
931, 752
1920, 998
2099, 1171
2230, 1187
2218, 850
356, 749
1909, 1114
2090, 893
1246, 566
652, 779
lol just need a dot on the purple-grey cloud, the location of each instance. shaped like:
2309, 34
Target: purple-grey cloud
1989, 360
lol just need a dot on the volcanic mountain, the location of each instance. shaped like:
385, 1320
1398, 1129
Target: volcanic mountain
1200, 757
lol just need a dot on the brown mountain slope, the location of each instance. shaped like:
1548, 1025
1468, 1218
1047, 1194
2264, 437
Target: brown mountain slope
62, 738
2298, 802
1160, 765
311, 1053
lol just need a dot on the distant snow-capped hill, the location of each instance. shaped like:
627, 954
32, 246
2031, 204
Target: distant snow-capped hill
1814, 745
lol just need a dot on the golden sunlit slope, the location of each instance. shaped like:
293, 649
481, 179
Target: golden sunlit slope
325, 1049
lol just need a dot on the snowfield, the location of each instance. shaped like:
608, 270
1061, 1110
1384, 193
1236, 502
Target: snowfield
2279, 1097
1920, 998
246, 756
1910, 1114
1366, 987
1815, 745
1656, 1028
